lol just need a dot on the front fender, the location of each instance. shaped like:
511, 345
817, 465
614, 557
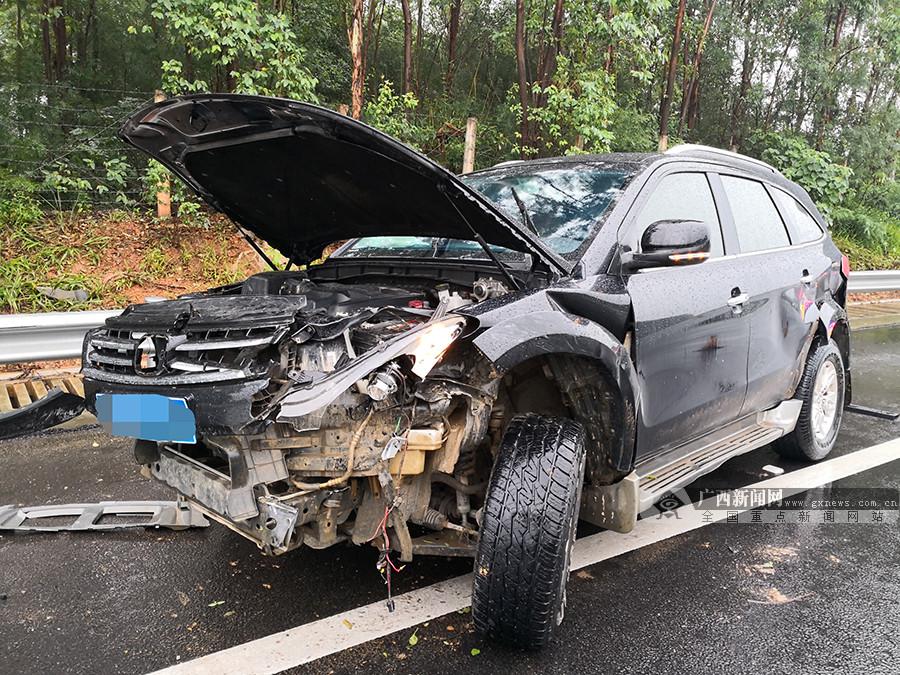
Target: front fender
516, 340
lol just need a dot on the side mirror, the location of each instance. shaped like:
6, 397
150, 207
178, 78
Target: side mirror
670, 242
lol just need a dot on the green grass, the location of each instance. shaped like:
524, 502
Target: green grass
156, 263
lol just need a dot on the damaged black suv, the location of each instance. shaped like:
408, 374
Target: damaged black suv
484, 358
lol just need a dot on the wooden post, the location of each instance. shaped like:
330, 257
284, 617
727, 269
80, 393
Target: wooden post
343, 109
469, 148
163, 198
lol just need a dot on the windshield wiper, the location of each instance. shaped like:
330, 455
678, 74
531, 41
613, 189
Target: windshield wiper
504, 269
526, 218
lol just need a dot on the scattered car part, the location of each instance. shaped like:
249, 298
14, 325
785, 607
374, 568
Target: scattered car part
872, 412
56, 407
178, 515
77, 295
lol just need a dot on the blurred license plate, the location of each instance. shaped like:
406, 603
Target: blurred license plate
147, 416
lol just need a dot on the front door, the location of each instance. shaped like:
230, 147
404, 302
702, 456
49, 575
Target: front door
691, 339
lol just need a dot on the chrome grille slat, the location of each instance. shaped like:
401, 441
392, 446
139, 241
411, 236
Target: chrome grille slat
119, 344
97, 357
201, 345
212, 351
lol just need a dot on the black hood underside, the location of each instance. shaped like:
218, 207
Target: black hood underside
301, 177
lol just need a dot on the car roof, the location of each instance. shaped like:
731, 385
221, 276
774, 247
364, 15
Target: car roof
686, 152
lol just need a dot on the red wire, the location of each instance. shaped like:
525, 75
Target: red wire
387, 541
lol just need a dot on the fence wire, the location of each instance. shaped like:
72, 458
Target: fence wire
58, 142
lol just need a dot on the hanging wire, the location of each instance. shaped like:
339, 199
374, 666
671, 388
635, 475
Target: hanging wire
42, 85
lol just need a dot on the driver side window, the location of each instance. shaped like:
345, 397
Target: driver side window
683, 196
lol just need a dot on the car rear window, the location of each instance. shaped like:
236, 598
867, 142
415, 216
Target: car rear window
805, 228
759, 226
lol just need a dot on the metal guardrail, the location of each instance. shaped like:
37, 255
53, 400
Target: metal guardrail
59, 335
874, 281
46, 336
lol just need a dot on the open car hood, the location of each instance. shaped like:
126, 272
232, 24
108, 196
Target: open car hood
301, 177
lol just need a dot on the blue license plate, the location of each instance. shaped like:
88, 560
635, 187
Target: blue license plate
147, 416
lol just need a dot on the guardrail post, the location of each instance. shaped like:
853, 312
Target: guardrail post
469, 148
163, 197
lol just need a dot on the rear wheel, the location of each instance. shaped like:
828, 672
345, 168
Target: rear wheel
527, 531
822, 391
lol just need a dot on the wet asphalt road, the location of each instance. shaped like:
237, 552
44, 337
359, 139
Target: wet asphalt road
130, 602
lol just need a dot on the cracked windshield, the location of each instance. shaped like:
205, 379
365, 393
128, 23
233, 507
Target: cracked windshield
563, 206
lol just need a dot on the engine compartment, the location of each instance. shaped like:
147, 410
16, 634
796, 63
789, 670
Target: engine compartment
318, 404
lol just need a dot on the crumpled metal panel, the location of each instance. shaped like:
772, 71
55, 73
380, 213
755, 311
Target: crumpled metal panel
55, 408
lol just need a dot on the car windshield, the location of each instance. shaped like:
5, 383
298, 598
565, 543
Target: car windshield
565, 206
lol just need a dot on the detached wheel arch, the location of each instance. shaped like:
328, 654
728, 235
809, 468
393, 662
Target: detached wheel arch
527, 531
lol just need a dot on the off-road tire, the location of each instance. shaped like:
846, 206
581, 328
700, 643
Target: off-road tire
802, 443
527, 531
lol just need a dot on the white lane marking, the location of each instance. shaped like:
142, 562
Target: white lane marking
296, 646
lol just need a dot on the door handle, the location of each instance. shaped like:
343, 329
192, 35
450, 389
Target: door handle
807, 278
738, 300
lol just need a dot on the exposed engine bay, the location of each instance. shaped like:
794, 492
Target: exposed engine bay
324, 411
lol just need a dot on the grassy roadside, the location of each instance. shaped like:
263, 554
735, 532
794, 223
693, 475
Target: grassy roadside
115, 258
863, 257
120, 257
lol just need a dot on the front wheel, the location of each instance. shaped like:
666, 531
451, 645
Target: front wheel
527, 532
822, 391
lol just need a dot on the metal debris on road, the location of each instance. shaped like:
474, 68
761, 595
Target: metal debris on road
90, 517
55, 408
872, 412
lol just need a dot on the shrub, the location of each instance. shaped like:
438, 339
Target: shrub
19, 211
826, 182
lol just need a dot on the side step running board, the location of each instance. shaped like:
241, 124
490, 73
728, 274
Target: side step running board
616, 507
681, 466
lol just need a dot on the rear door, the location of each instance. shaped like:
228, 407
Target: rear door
779, 277
690, 344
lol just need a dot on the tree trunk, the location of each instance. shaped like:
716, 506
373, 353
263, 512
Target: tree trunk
59, 33
357, 74
376, 39
407, 46
737, 110
452, 41
666, 101
611, 47
828, 94
522, 68
693, 81
767, 120
555, 46
418, 59
20, 38
46, 51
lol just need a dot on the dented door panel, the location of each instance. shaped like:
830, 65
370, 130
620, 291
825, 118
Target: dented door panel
785, 288
691, 352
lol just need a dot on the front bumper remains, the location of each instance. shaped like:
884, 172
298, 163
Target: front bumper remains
235, 499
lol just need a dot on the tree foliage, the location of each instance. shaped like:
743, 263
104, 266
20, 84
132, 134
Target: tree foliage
810, 85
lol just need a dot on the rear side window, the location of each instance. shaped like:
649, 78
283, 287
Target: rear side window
805, 228
683, 196
756, 219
